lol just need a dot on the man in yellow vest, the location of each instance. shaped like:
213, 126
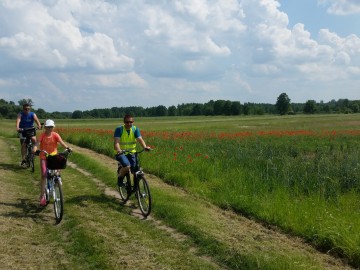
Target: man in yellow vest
125, 138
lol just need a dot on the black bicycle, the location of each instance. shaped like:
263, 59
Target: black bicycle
27, 133
53, 182
138, 185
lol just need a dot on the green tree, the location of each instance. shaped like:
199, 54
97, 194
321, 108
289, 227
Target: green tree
310, 107
172, 111
77, 114
197, 109
26, 101
235, 108
40, 113
209, 108
283, 105
227, 107
161, 111
219, 107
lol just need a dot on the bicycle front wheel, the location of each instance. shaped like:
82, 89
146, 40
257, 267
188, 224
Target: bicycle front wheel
125, 190
58, 200
47, 190
28, 156
143, 196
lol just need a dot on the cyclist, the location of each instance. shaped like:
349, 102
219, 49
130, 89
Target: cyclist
25, 119
47, 141
125, 138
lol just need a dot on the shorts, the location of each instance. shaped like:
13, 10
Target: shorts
23, 138
127, 160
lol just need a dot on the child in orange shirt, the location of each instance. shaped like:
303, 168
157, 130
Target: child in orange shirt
47, 141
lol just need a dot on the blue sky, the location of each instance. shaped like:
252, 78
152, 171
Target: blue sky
316, 15
84, 54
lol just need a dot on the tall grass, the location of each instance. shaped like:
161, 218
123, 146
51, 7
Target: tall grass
299, 173
305, 182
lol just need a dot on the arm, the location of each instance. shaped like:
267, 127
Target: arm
139, 139
59, 140
142, 142
37, 121
18, 119
36, 145
117, 145
62, 143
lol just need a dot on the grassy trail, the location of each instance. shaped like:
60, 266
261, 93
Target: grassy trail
183, 232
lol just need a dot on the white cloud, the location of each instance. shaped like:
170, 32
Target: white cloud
341, 7
208, 49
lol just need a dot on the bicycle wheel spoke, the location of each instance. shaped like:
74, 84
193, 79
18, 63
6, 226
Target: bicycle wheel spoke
144, 196
58, 201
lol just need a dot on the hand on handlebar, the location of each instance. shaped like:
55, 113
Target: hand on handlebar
119, 153
147, 148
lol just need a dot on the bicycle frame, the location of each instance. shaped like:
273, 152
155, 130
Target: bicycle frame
29, 156
139, 186
53, 186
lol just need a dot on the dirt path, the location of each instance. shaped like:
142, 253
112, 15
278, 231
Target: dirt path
242, 234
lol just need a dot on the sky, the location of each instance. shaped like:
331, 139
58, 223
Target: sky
70, 55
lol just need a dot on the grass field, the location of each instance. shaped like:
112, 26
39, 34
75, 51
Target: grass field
300, 173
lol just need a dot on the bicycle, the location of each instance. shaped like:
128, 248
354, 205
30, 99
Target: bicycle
29, 156
138, 185
53, 182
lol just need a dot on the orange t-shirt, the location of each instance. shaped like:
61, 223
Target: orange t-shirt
49, 143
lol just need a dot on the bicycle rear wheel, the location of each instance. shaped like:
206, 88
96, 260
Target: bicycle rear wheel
125, 190
58, 200
143, 196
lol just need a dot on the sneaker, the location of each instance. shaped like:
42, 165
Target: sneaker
121, 181
23, 163
43, 201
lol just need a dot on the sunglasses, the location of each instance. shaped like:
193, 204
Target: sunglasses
27, 109
129, 122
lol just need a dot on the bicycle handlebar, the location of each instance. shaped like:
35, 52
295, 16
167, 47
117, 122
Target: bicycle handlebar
137, 152
67, 150
30, 128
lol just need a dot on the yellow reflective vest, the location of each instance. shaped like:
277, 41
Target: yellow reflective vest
128, 141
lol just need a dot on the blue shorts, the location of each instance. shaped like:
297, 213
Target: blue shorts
127, 160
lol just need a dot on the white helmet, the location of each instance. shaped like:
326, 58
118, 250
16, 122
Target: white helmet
49, 123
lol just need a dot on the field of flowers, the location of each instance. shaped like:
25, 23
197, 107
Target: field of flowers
307, 182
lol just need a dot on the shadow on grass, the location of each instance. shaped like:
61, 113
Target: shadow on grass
28, 210
103, 200
11, 167
83, 200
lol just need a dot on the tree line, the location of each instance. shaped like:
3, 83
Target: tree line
283, 106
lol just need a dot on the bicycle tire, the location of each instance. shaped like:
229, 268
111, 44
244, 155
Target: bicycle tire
143, 196
47, 191
58, 200
125, 190
27, 157
32, 165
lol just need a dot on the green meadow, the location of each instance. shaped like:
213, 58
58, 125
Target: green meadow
299, 173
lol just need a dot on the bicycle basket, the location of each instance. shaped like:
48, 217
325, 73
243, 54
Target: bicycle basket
30, 132
55, 162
